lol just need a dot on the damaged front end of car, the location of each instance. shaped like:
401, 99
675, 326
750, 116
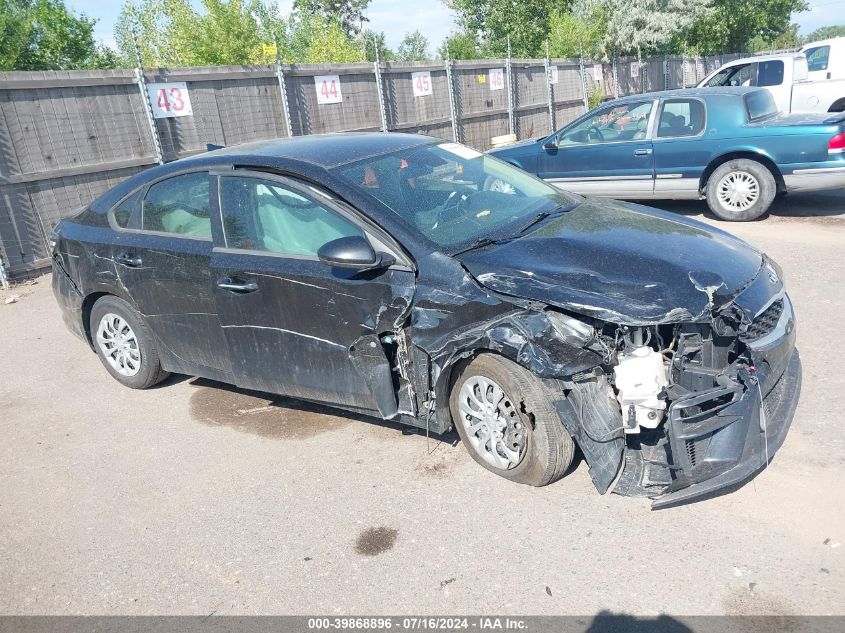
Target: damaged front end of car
694, 377
690, 409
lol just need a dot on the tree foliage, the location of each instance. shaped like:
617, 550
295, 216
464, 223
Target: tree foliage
581, 31
46, 35
644, 27
174, 33
525, 21
374, 41
460, 46
733, 24
413, 47
348, 13
825, 32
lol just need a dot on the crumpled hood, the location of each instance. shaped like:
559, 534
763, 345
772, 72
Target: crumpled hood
622, 263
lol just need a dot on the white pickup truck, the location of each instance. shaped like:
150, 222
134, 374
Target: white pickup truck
811, 80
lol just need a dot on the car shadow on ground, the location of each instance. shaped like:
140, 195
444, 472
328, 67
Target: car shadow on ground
279, 417
822, 204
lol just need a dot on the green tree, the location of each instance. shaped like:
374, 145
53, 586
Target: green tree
581, 31
651, 26
414, 47
15, 26
787, 39
826, 32
375, 41
732, 24
46, 35
525, 21
460, 46
348, 13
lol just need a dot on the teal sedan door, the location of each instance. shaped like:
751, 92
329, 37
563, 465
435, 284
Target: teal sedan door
679, 163
608, 153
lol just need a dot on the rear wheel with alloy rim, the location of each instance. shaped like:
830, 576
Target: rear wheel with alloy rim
124, 344
740, 190
505, 418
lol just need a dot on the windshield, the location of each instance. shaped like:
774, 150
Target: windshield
454, 195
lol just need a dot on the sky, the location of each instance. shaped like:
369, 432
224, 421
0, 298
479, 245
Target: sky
431, 17
394, 17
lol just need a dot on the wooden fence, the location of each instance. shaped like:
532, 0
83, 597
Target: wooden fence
68, 136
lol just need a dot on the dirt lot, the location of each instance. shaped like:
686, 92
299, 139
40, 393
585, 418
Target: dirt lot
197, 498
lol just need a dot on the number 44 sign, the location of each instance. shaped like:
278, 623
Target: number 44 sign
328, 89
169, 100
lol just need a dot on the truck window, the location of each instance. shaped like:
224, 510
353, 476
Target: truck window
770, 73
739, 75
817, 57
760, 104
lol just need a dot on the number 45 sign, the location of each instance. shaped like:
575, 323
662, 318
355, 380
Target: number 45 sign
169, 100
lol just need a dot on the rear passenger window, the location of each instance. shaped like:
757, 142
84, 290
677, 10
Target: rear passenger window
681, 117
125, 213
178, 205
770, 73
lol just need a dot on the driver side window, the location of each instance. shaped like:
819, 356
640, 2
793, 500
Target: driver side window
263, 215
178, 205
625, 122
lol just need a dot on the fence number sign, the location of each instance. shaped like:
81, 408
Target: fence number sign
598, 75
553, 74
422, 84
635, 70
169, 100
328, 89
497, 78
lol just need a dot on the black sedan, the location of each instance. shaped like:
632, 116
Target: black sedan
393, 275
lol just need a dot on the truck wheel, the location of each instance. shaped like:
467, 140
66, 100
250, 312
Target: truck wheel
505, 418
740, 190
124, 344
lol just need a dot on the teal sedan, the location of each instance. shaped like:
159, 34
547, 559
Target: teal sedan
729, 146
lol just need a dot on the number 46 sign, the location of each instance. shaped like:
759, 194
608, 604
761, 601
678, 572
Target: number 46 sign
169, 100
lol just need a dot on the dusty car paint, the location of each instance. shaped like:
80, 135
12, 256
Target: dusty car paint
561, 301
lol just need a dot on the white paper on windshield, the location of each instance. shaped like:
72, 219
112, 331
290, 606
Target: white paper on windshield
460, 150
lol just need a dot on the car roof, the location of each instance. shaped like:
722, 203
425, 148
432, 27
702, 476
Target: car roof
309, 156
826, 42
717, 91
322, 150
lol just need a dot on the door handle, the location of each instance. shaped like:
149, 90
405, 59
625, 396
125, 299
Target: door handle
133, 261
642, 152
232, 285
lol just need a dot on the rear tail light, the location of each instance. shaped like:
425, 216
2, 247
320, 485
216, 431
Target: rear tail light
836, 144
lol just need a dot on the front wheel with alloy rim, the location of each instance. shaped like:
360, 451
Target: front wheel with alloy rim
740, 190
505, 418
124, 345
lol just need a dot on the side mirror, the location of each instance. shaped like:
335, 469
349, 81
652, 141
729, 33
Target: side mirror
353, 252
550, 144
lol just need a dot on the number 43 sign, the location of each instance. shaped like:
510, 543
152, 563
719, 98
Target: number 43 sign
169, 100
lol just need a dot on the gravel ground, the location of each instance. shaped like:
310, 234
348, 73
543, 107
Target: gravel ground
198, 498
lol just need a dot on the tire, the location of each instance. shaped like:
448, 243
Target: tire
114, 324
755, 190
545, 448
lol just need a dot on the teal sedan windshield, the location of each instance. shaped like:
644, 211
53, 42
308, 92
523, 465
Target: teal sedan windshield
454, 195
